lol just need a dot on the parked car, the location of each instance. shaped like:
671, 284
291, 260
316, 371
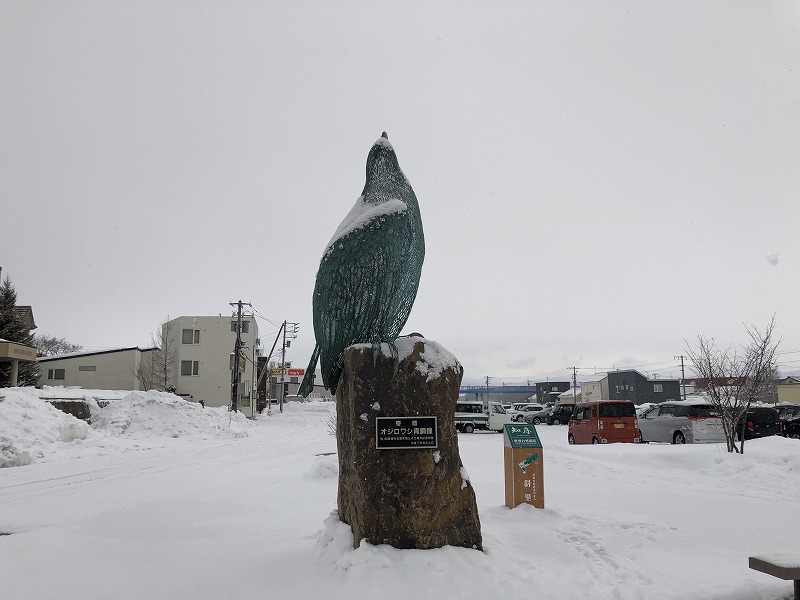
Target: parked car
527, 406
603, 422
791, 428
519, 411
480, 415
537, 417
787, 412
759, 421
681, 422
560, 414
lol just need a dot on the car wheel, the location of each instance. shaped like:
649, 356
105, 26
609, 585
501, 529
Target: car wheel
678, 438
795, 435
571, 439
595, 440
556, 421
468, 428
537, 421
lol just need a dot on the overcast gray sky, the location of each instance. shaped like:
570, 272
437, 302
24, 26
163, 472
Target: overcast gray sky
598, 181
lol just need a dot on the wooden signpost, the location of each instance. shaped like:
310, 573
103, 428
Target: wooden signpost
524, 471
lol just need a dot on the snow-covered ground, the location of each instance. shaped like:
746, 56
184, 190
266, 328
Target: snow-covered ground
159, 498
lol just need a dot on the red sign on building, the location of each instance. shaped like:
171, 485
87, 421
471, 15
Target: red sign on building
295, 372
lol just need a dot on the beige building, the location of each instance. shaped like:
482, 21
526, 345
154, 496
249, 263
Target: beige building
203, 358
104, 370
788, 390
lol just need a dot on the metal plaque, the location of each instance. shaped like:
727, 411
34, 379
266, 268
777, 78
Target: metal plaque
406, 433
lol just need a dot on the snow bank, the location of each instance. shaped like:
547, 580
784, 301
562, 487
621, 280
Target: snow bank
31, 429
159, 414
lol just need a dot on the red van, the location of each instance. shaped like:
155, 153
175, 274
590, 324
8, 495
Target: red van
604, 422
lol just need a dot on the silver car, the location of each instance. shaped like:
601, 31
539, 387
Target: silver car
689, 422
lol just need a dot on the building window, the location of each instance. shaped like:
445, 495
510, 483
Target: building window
56, 373
191, 336
245, 326
87, 368
657, 387
190, 367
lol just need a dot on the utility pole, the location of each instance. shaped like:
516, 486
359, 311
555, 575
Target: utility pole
574, 383
683, 377
237, 350
265, 371
283, 368
289, 329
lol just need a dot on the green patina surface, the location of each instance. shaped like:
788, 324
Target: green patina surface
369, 273
523, 436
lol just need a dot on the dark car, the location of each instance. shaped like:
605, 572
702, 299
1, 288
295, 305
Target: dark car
791, 428
759, 422
787, 412
537, 417
560, 414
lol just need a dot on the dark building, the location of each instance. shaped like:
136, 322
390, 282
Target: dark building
548, 391
633, 386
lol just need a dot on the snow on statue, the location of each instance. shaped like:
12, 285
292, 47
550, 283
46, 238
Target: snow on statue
369, 272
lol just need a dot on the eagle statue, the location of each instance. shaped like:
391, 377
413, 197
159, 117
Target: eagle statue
369, 272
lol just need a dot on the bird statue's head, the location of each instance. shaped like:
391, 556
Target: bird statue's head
382, 166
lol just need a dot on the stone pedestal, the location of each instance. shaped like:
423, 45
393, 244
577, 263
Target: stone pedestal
408, 498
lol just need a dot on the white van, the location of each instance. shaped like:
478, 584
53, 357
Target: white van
472, 415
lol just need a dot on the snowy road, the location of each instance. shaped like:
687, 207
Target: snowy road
157, 517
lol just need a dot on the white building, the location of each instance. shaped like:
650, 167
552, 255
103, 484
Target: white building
103, 370
203, 358
592, 387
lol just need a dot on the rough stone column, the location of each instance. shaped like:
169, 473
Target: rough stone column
410, 498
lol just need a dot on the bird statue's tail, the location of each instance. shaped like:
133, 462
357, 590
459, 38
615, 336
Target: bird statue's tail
307, 386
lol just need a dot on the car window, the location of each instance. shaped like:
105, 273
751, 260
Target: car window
763, 415
702, 411
496, 408
681, 411
618, 409
650, 413
666, 411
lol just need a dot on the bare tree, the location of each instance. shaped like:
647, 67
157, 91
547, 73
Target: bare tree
48, 345
156, 372
146, 371
736, 378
